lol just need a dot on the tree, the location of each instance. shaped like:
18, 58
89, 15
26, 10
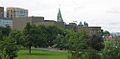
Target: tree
17, 36
77, 44
106, 33
3, 54
41, 36
8, 48
60, 42
112, 49
96, 42
6, 30
52, 32
28, 36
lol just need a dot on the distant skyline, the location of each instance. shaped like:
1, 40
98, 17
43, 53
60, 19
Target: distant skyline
104, 13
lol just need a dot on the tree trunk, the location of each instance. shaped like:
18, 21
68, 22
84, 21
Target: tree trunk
29, 49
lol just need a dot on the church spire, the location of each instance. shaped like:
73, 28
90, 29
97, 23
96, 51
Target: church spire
59, 16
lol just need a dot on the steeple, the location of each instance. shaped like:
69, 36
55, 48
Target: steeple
59, 16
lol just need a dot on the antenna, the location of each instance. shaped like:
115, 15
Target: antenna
59, 5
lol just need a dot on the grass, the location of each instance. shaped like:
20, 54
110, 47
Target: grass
41, 54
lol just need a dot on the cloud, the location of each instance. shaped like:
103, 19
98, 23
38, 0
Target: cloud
114, 11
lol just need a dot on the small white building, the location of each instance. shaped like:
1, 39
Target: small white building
6, 22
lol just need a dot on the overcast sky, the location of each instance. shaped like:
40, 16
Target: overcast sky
104, 13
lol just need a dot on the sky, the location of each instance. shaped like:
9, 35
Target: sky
104, 13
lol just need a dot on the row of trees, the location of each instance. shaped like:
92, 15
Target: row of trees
83, 46
79, 44
38, 36
31, 36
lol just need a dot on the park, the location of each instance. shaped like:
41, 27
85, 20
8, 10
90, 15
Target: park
52, 42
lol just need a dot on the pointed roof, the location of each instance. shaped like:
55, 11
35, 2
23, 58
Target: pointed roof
59, 16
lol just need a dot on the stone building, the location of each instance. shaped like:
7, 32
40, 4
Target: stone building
13, 12
20, 22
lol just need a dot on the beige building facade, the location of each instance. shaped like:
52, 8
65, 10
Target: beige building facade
13, 12
20, 22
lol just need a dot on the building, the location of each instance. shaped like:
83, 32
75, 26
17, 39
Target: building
59, 16
1, 11
20, 22
13, 12
71, 26
6, 22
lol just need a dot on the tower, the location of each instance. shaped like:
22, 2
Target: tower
85, 24
59, 16
1, 11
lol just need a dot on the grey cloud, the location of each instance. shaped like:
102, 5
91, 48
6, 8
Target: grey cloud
114, 10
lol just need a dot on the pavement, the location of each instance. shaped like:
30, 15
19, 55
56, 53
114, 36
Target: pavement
51, 49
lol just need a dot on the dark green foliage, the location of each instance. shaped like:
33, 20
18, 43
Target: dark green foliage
92, 54
77, 44
60, 42
96, 42
112, 51
17, 36
106, 33
28, 36
40, 36
52, 32
6, 30
8, 47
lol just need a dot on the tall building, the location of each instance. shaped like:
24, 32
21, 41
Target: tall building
13, 12
1, 11
59, 16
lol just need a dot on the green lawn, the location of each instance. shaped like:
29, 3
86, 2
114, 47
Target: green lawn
42, 54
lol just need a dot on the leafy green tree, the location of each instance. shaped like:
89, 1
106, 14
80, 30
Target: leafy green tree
77, 44
17, 36
92, 54
96, 42
106, 33
6, 30
112, 49
41, 36
8, 47
52, 32
60, 42
28, 36
3, 54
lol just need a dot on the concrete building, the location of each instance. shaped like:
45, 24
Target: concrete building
1, 11
47, 23
13, 12
20, 22
6, 22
